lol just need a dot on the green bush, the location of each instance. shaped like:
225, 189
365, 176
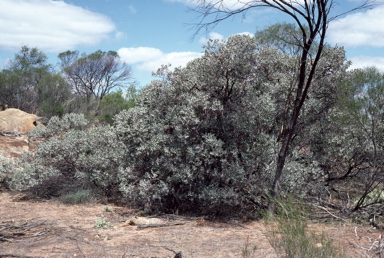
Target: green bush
201, 139
77, 197
204, 138
113, 103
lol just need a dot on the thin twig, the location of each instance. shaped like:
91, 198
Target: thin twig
333, 215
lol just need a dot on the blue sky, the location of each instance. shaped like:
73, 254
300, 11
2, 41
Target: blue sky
148, 33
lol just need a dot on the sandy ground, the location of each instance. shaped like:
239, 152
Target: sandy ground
52, 229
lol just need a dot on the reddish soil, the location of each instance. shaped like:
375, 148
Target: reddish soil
40, 228
14, 146
52, 229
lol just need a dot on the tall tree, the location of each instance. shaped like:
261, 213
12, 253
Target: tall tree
20, 80
285, 37
96, 74
54, 92
312, 18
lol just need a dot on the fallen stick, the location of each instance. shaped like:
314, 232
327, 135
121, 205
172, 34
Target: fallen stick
159, 225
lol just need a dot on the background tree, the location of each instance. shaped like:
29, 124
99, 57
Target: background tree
93, 76
29, 83
352, 149
20, 80
54, 92
285, 37
115, 102
312, 18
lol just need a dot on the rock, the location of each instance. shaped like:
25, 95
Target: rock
16, 121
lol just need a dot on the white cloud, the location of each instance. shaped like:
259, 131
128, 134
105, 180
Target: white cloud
359, 29
367, 61
212, 35
150, 59
225, 4
53, 26
135, 55
218, 36
246, 33
176, 59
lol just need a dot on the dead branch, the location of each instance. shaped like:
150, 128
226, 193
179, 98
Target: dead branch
375, 245
11, 230
160, 225
327, 211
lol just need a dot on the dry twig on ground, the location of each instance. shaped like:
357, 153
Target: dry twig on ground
10, 231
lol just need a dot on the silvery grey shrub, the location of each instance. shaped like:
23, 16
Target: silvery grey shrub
6, 167
197, 139
69, 155
204, 138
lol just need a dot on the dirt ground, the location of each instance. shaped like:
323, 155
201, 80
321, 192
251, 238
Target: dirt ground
51, 229
41, 228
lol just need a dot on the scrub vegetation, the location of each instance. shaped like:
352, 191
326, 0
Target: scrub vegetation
232, 134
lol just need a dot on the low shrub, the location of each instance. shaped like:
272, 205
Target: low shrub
69, 157
77, 197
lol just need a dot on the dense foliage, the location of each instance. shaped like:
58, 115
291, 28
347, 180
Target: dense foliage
72, 156
205, 138
114, 103
30, 84
353, 136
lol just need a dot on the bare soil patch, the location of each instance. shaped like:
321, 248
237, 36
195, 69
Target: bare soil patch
30, 228
53, 229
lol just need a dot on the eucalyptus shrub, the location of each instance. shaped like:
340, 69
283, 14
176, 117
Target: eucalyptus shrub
201, 139
198, 138
69, 156
204, 138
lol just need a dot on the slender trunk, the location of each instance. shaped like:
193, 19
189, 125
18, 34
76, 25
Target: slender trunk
288, 132
320, 26
281, 157
284, 149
